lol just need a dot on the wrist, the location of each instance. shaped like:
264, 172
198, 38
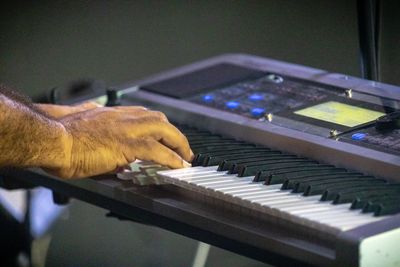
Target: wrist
65, 141
56, 154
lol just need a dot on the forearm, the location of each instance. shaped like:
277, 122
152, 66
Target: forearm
30, 139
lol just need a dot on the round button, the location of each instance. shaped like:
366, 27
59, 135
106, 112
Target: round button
257, 112
358, 136
208, 98
256, 97
232, 104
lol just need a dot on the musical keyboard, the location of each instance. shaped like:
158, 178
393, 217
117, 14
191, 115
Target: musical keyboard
286, 186
302, 148
294, 166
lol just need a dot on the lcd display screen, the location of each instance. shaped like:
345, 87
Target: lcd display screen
339, 113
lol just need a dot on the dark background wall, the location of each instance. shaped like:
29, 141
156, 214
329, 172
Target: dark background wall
47, 43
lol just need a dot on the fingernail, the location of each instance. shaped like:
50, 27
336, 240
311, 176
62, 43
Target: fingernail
191, 155
186, 164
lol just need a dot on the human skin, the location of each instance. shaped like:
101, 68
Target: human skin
86, 140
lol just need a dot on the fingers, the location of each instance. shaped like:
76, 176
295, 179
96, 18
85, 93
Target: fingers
138, 122
150, 114
150, 150
167, 134
175, 140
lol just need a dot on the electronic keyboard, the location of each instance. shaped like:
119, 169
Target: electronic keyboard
291, 145
293, 166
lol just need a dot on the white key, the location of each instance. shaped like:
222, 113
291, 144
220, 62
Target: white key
269, 198
193, 170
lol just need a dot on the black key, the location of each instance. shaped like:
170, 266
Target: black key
331, 194
251, 170
200, 143
280, 177
265, 175
215, 158
203, 153
320, 187
236, 165
366, 191
301, 186
202, 138
227, 165
201, 157
190, 133
349, 195
361, 202
387, 209
215, 147
291, 182
236, 150
374, 206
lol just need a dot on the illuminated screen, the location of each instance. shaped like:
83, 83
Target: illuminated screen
340, 113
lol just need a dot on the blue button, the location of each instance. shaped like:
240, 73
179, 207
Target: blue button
257, 112
358, 136
256, 97
208, 98
232, 104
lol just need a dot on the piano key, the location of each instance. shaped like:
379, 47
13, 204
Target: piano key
317, 188
219, 146
206, 177
270, 198
202, 138
223, 183
372, 205
387, 209
302, 171
265, 175
291, 183
256, 161
252, 169
268, 155
216, 159
273, 198
240, 148
246, 189
348, 195
361, 202
193, 170
331, 193
315, 209
199, 140
286, 200
223, 150
256, 190
338, 180
197, 144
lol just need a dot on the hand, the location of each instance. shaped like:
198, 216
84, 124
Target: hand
104, 139
59, 111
